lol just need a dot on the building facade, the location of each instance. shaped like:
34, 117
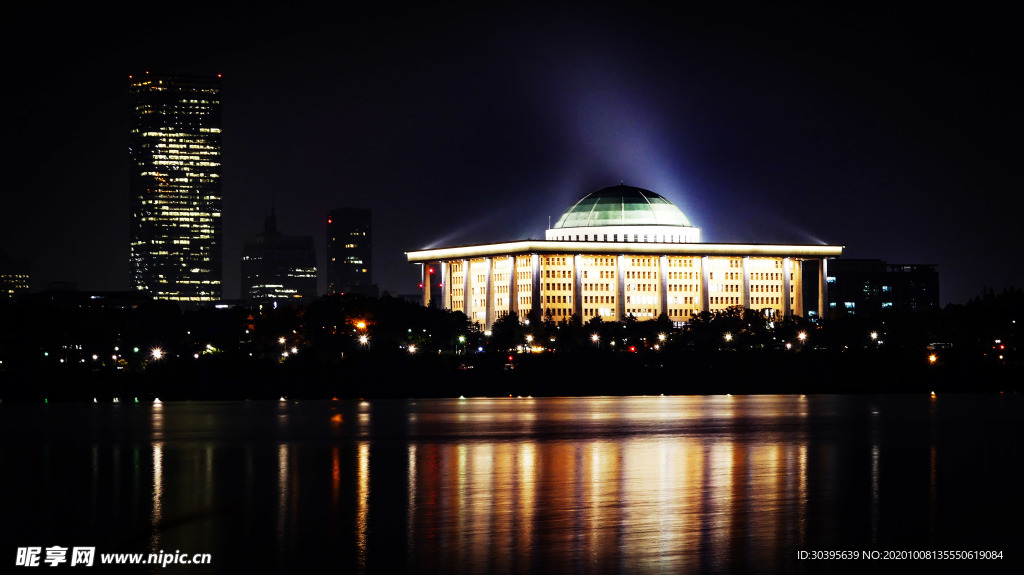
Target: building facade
175, 186
350, 251
277, 267
620, 252
14, 277
866, 287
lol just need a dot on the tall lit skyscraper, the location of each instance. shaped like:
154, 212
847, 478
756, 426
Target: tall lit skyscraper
175, 184
13, 276
350, 252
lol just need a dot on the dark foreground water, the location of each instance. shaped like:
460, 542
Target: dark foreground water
553, 485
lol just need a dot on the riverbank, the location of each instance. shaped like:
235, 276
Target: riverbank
581, 374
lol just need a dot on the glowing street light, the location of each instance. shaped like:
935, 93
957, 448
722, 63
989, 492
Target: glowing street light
529, 339
595, 338
412, 349
802, 336
874, 335
363, 339
728, 337
156, 353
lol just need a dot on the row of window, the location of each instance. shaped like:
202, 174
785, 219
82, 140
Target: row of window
558, 273
657, 238
642, 275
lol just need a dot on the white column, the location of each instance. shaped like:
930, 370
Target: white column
489, 287
746, 282
577, 285
787, 267
662, 265
704, 273
620, 288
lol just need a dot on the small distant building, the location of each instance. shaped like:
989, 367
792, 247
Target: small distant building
350, 252
278, 267
14, 277
67, 296
866, 287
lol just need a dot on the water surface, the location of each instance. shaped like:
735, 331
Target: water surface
624, 484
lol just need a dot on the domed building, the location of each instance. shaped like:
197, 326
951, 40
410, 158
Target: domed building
632, 214
618, 252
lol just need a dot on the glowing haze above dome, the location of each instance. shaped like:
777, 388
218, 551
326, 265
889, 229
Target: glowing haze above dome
622, 206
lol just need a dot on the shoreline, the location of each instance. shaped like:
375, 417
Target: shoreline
492, 375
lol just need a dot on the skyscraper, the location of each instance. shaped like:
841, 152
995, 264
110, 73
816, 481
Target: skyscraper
174, 150
278, 267
350, 252
14, 278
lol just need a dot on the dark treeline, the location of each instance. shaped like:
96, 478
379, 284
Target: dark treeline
80, 348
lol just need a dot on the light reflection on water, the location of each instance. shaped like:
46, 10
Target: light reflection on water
638, 484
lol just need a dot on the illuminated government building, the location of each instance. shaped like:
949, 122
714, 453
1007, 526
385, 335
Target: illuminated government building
624, 251
175, 149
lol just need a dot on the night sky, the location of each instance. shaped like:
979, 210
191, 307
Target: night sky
893, 133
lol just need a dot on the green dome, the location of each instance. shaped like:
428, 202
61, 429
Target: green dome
622, 206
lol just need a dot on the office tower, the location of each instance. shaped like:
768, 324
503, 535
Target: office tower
866, 287
14, 277
278, 267
350, 252
174, 139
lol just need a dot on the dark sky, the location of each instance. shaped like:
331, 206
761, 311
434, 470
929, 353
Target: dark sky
894, 133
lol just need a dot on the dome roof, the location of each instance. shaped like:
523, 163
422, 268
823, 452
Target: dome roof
622, 206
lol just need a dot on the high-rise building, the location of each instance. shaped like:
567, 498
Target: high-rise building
278, 267
350, 252
14, 277
866, 287
174, 149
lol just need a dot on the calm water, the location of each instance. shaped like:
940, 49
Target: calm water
564, 485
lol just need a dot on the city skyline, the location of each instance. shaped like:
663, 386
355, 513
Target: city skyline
887, 133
